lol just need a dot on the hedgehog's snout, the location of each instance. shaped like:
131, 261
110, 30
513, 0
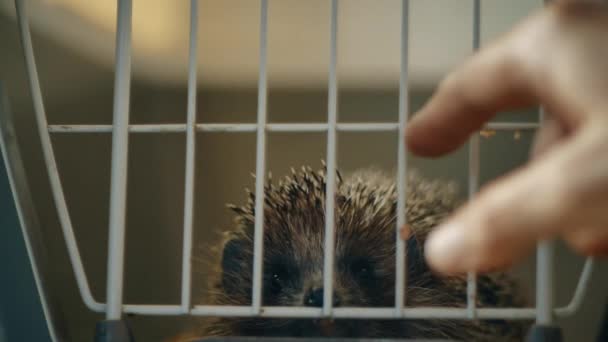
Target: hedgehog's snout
314, 298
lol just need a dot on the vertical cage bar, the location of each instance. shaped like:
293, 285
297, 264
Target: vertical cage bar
190, 158
120, 149
544, 283
544, 268
401, 262
328, 267
544, 264
258, 248
49, 159
580, 290
474, 168
544, 273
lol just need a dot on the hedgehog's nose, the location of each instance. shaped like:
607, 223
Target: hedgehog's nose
315, 298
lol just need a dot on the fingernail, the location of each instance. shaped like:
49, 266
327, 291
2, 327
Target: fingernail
446, 249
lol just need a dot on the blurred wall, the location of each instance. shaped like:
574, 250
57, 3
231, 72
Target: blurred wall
78, 91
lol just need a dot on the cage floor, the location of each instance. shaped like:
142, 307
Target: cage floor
310, 339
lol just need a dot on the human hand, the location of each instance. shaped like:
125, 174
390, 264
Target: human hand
557, 57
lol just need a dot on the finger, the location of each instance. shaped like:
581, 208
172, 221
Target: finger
589, 240
503, 223
549, 134
565, 187
492, 80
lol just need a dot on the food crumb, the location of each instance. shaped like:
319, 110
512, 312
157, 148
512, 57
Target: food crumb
517, 135
487, 133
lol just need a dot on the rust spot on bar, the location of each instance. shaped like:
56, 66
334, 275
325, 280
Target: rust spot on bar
405, 232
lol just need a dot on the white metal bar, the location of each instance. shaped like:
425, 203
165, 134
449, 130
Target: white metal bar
474, 169
579, 293
385, 313
19, 192
435, 313
297, 127
355, 312
154, 310
544, 283
154, 128
330, 184
544, 273
219, 127
276, 127
367, 127
120, 148
258, 248
190, 160
82, 128
228, 127
364, 312
401, 255
512, 126
545, 253
49, 159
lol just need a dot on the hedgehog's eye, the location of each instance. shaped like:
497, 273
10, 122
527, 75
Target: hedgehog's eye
278, 276
362, 268
275, 283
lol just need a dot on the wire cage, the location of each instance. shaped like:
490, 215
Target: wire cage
113, 329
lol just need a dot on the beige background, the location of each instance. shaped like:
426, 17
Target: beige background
75, 64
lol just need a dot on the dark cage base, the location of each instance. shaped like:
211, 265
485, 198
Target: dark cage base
309, 339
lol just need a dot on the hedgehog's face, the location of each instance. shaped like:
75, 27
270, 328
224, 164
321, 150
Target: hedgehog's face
293, 272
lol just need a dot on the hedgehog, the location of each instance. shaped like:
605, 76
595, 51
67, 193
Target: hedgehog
365, 233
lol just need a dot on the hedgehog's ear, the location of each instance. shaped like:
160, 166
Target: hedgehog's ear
232, 255
233, 264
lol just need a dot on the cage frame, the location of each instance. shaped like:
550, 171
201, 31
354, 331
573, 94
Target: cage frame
544, 312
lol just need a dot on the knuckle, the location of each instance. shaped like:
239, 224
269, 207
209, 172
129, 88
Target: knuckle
511, 66
589, 240
523, 69
456, 88
519, 69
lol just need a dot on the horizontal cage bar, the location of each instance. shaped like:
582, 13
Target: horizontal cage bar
277, 127
339, 312
307, 312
